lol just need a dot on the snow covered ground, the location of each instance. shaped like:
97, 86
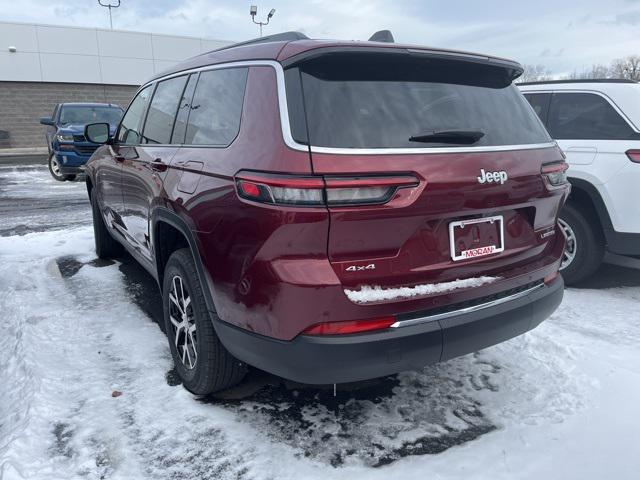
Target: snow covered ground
562, 401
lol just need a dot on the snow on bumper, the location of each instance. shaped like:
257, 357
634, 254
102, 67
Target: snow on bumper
370, 294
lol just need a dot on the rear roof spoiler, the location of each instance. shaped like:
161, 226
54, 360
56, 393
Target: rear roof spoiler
512, 69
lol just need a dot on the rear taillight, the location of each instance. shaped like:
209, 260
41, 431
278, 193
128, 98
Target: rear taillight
555, 173
634, 155
276, 190
303, 191
351, 326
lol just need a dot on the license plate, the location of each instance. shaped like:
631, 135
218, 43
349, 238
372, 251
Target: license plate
476, 237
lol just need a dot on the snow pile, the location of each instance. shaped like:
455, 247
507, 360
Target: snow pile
368, 294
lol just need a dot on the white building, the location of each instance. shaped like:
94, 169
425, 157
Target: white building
41, 65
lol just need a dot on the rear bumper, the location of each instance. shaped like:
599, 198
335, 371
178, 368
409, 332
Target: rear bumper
340, 359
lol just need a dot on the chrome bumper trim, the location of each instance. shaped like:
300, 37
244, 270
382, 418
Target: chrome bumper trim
463, 311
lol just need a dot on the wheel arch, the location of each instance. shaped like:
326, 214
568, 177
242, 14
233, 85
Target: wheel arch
584, 194
170, 233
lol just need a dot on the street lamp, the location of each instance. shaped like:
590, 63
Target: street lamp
109, 6
253, 11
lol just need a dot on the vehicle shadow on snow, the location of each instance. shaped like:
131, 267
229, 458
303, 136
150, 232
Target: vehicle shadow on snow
375, 422
612, 276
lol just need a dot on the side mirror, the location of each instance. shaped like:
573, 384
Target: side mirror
46, 121
97, 132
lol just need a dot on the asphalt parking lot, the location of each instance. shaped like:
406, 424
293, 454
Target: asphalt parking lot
77, 329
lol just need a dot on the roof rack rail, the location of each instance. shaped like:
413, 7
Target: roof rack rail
581, 80
276, 37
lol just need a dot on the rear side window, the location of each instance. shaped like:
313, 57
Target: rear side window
130, 128
586, 116
381, 101
162, 110
216, 108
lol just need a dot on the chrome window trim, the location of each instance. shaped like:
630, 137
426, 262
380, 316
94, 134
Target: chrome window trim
291, 142
409, 151
282, 96
464, 311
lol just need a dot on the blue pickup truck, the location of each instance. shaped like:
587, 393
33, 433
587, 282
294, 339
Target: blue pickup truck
68, 149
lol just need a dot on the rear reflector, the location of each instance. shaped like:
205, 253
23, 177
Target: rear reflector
352, 326
279, 189
551, 277
249, 189
555, 173
634, 155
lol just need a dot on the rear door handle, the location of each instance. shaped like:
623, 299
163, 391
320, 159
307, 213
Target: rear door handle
158, 165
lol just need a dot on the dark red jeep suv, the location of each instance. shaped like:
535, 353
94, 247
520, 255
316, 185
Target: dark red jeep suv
333, 211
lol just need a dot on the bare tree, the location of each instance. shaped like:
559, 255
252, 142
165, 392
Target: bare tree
627, 67
535, 73
595, 71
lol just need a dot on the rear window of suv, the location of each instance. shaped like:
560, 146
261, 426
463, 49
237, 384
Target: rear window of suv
380, 101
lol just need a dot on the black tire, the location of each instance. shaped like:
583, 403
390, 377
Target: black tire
214, 368
589, 244
106, 245
54, 170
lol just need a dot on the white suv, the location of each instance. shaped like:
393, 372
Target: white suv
597, 125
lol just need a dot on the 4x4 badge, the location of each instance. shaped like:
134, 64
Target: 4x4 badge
360, 268
492, 177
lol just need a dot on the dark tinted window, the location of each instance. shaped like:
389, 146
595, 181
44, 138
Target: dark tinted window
183, 111
381, 100
131, 125
540, 103
217, 107
162, 110
585, 116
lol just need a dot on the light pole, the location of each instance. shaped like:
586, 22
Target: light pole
253, 11
109, 6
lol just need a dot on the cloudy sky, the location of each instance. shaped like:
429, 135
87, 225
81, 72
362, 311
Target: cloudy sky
563, 35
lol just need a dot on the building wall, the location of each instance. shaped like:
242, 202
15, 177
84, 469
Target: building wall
48, 53
23, 103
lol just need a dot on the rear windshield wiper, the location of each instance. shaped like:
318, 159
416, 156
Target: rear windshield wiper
461, 137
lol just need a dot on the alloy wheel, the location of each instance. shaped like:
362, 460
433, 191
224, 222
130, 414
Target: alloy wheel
183, 323
571, 246
55, 166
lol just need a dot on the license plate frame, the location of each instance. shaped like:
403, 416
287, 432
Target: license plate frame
478, 252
